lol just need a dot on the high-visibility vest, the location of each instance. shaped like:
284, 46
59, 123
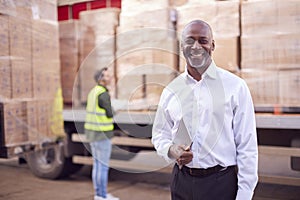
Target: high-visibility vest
96, 119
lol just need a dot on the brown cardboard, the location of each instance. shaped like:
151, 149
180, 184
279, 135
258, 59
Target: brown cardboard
14, 126
289, 87
20, 34
259, 17
278, 51
45, 40
155, 18
69, 29
32, 120
44, 9
21, 79
263, 85
5, 79
270, 17
4, 35
226, 53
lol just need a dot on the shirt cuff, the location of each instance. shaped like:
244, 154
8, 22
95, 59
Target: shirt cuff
244, 195
166, 154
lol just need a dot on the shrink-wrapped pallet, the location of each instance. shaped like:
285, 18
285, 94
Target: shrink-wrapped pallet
141, 88
13, 120
69, 55
97, 47
263, 85
223, 17
5, 69
270, 42
29, 72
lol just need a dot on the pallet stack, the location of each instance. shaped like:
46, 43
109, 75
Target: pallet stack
223, 17
146, 51
270, 51
69, 59
29, 72
96, 47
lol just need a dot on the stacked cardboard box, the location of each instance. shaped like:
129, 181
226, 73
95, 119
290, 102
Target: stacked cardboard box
13, 119
5, 69
69, 52
29, 71
270, 43
223, 17
97, 47
146, 48
144, 13
20, 53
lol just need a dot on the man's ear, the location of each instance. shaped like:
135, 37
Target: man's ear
181, 46
213, 45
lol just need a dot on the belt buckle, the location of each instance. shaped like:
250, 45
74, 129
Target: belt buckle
191, 171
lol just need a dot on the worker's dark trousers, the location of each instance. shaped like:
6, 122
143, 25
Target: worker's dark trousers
221, 185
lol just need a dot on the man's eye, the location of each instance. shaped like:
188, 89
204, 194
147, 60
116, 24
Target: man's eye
203, 41
189, 41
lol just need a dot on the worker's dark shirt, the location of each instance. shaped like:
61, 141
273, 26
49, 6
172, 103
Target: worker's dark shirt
105, 103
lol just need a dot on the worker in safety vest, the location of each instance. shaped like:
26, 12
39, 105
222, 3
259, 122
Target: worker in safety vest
99, 130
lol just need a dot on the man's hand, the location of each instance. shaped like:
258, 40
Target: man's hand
185, 158
182, 154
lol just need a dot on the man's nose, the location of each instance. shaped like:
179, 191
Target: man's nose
196, 45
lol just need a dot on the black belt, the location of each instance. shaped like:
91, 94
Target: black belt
204, 172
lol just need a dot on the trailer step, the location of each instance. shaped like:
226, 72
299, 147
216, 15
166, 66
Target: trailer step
144, 161
283, 180
279, 151
122, 141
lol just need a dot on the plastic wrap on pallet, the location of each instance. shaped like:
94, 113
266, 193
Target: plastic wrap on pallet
159, 18
29, 64
263, 85
5, 69
218, 14
69, 59
222, 16
273, 87
137, 6
266, 17
96, 47
275, 51
270, 34
141, 88
289, 87
144, 13
101, 21
44, 9
13, 123
139, 53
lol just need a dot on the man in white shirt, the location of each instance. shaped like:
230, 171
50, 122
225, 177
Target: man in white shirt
217, 110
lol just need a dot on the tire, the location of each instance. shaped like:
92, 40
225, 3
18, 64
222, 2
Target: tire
50, 163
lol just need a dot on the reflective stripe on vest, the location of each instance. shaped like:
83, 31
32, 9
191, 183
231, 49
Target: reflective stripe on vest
96, 119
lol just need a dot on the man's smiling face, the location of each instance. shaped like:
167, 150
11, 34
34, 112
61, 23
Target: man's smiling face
197, 45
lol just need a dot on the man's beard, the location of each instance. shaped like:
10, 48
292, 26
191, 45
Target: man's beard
199, 60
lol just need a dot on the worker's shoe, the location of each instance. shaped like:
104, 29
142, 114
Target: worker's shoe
108, 197
99, 198
111, 197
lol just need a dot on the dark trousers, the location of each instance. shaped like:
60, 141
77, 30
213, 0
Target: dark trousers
221, 185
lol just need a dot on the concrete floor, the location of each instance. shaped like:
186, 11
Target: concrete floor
17, 183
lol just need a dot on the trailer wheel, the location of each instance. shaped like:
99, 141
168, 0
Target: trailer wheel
50, 162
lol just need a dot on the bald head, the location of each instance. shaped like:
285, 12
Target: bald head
197, 21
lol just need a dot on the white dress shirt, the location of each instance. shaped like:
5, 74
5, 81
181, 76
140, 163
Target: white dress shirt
219, 115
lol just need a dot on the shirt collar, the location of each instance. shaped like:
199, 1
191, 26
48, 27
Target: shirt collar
211, 71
